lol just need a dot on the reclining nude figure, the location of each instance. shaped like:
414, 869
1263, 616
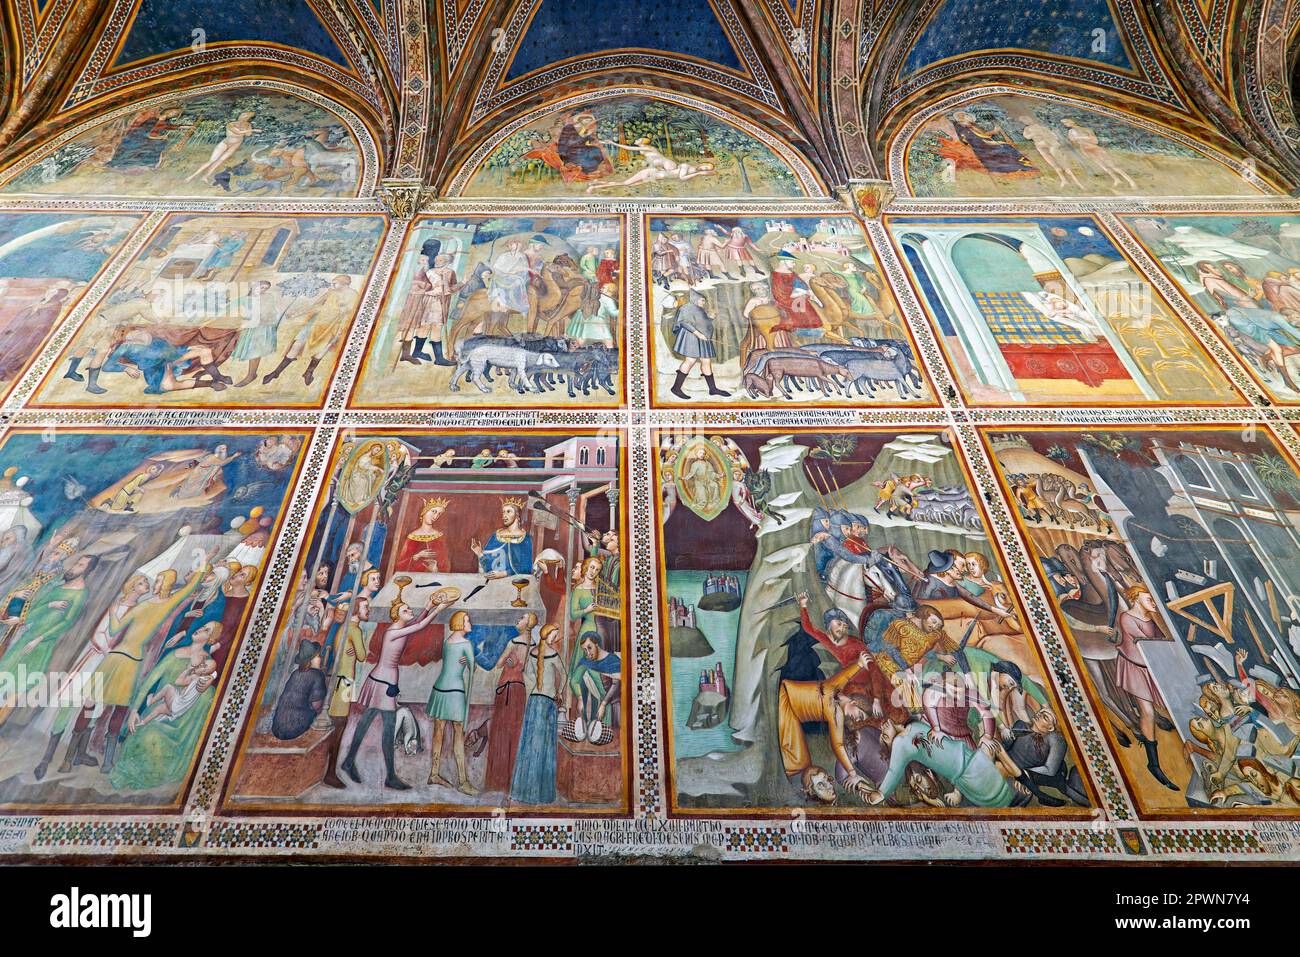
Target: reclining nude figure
657, 167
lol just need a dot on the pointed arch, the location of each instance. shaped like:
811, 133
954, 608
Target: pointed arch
903, 150
360, 181
806, 180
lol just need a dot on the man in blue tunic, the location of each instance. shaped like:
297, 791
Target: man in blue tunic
509, 552
160, 363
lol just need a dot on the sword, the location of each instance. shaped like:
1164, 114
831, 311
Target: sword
781, 604
960, 653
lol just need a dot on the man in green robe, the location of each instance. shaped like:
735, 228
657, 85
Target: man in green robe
51, 611
860, 303
159, 753
975, 776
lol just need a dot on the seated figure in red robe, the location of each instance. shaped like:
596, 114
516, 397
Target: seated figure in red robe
425, 549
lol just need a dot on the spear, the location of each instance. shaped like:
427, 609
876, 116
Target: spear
542, 505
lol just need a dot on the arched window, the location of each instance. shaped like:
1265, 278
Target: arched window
1237, 480
1191, 471
584, 455
600, 456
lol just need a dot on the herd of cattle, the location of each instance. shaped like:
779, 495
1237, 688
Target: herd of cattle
829, 368
536, 363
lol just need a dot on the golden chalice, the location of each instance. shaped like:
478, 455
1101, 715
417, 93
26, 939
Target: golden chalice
521, 586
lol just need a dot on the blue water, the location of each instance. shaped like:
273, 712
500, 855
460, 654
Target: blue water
721, 628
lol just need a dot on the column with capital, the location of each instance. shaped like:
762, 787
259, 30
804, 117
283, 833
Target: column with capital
572, 494
611, 493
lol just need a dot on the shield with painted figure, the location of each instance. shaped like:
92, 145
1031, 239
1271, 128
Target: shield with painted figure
703, 478
362, 476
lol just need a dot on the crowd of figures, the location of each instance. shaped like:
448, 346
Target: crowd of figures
795, 314
914, 714
1199, 694
344, 660
1051, 498
1244, 730
124, 605
541, 317
1244, 273
906, 676
227, 306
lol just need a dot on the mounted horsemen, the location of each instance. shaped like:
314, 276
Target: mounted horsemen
903, 615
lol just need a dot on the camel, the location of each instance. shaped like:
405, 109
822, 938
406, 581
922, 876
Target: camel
563, 291
557, 295
1064, 508
1068, 509
763, 334
834, 312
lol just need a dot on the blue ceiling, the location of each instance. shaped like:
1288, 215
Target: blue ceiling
163, 26
568, 28
1084, 29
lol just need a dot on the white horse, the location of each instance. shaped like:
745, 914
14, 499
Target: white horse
340, 163
846, 586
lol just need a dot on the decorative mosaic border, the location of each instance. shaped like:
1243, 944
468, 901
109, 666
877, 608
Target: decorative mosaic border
456, 28
856, 27
98, 77
1206, 37
418, 91
37, 30
1265, 65
1150, 81
384, 28
219, 750
794, 30
492, 95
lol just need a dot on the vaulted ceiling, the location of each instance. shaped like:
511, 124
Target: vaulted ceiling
835, 79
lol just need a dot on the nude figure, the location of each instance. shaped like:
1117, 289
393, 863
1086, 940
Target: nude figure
657, 167
1085, 141
1049, 147
237, 131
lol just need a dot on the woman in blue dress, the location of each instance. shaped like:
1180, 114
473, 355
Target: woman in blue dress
533, 781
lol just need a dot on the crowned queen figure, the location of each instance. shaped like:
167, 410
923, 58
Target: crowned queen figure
425, 549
